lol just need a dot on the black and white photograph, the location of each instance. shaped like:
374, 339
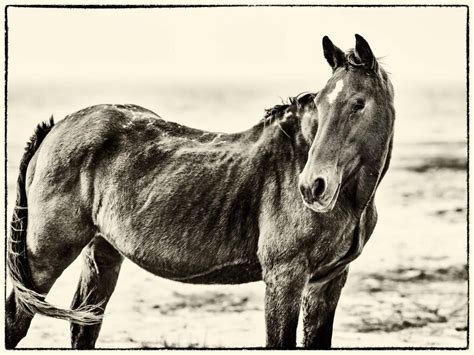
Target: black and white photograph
236, 176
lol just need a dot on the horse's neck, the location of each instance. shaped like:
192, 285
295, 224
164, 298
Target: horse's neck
280, 146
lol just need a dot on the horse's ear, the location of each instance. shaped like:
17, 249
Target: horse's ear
363, 53
333, 55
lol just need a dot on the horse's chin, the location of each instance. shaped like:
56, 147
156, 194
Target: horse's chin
324, 207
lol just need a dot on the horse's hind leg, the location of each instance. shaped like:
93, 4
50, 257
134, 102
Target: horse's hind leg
56, 236
17, 321
101, 267
319, 307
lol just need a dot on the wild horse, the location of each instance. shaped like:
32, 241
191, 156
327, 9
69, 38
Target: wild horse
289, 201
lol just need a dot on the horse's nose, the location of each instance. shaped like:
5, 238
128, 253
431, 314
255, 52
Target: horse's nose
314, 191
318, 188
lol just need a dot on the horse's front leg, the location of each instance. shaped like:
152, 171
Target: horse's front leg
319, 307
284, 287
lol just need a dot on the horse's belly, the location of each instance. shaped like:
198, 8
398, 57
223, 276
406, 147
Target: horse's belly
228, 273
198, 268
188, 252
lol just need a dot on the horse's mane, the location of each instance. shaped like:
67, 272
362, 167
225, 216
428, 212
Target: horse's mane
299, 100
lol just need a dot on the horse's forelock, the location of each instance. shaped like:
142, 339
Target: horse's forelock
353, 62
378, 71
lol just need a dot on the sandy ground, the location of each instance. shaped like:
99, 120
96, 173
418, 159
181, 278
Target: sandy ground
408, 289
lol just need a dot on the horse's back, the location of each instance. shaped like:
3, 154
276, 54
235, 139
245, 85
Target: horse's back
80, 139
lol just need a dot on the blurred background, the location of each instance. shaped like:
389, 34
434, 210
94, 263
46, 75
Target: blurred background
217, 69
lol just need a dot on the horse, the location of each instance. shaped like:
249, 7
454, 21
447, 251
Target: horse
289, 202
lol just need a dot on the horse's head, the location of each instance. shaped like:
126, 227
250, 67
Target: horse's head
349, 129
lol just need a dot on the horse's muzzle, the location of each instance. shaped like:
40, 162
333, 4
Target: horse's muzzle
318, 194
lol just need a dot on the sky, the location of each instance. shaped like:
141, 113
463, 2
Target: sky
229, 43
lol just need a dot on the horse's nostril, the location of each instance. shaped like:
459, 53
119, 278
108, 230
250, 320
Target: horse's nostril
318, 188
314, 192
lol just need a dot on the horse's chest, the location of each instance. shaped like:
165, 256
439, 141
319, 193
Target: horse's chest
332, 240
321, 238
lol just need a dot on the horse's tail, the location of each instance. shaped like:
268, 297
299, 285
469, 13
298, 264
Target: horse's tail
17, 259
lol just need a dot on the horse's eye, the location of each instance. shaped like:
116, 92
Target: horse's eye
359, 105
